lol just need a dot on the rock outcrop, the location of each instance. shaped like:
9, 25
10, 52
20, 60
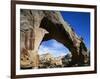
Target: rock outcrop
52, 26
49, 61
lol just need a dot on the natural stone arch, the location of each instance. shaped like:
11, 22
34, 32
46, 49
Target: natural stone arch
58, 29
57, 32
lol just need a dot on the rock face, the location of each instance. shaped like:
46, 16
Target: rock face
30, 41
25, 60
37, 26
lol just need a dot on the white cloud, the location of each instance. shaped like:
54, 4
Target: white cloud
53, 47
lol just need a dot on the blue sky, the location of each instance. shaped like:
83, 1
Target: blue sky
80, 22
53, 47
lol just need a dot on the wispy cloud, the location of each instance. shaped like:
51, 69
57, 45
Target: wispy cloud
53, 47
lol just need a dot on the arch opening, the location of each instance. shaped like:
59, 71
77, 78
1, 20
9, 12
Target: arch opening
53, 54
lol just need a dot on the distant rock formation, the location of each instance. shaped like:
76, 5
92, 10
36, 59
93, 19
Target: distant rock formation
49, 61
66, 60
50, 25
